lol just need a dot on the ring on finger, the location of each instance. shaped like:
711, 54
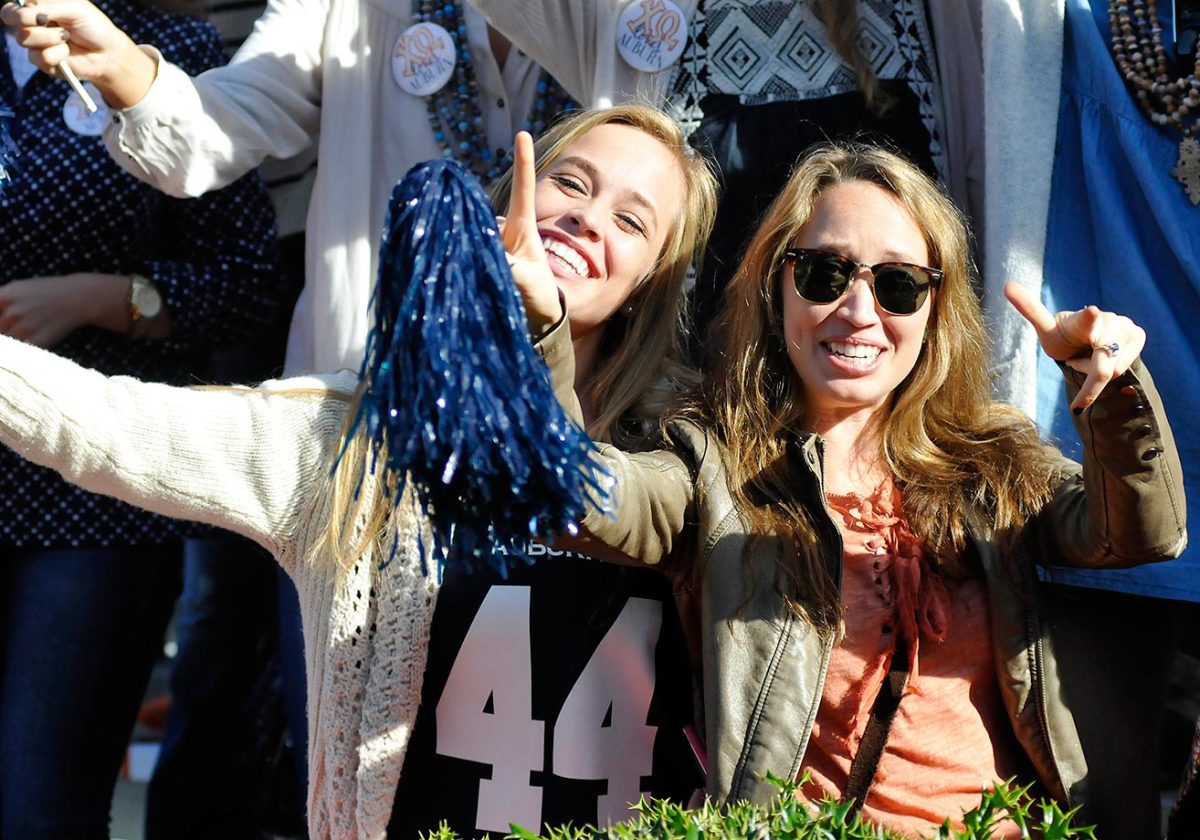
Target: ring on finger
1110, 347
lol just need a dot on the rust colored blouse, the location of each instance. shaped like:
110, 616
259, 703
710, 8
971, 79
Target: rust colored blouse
950, 737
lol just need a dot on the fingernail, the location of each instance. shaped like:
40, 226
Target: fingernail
66, 35
42, 19
1077, 410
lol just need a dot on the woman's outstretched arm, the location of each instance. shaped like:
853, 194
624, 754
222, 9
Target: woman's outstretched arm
248, 460
187, 135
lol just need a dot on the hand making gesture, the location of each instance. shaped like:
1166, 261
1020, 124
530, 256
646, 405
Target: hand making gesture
1101, 345
526, 256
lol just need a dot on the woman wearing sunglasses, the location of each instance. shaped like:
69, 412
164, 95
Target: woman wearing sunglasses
866, 522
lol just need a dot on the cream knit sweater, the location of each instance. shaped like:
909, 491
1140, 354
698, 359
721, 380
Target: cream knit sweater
255, 461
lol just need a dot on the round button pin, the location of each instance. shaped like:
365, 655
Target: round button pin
423, 59
651, 34
79, 119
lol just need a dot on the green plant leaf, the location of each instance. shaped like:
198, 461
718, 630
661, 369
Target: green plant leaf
789, 817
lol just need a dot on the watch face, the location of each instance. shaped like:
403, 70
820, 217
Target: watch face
147, 300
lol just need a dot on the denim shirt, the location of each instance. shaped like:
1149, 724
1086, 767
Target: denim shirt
1123, 235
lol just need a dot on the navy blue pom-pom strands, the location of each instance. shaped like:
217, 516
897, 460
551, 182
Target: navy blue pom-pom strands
455, 393
8, 149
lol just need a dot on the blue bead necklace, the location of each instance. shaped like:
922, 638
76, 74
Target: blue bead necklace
8, 149
454, 113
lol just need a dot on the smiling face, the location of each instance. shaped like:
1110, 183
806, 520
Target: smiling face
604, 209
850, 354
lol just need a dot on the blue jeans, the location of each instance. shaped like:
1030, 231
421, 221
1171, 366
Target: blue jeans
80, 630
292, 668
210, 778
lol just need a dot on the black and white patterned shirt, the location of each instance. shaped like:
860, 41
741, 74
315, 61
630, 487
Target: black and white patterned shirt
764, 51
71, 209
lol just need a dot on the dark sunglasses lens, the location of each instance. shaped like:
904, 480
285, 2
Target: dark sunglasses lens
900, 290
821, 278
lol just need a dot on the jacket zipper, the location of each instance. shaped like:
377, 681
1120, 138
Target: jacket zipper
827, 653
1033, 629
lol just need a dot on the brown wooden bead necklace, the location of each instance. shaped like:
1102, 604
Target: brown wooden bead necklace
1137, 47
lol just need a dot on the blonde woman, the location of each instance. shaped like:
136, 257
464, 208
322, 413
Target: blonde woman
867, 521
559, 693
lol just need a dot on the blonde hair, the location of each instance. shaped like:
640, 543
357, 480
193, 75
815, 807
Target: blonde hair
954, 452
639, 352
640, 349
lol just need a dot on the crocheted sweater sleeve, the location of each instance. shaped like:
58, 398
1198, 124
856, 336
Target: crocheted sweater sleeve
248, 460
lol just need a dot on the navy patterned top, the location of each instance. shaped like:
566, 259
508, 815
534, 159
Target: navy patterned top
71, 209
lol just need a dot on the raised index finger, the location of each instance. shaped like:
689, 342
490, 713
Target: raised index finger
1031, 308
521, 213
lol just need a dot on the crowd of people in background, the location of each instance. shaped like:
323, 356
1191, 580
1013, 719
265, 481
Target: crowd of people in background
830, 493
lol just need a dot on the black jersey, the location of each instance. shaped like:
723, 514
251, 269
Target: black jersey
558, 694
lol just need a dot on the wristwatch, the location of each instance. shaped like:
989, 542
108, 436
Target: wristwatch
145, 303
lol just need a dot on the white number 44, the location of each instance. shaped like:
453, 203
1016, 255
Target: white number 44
601, 732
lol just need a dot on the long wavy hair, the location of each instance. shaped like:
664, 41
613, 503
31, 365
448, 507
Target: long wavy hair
638, 373
842, 27
958, 456
640, 351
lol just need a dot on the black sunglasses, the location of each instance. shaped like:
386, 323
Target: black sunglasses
823, 277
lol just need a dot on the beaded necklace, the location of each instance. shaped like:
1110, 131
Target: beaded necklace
1138, 50
454, 113
8, 149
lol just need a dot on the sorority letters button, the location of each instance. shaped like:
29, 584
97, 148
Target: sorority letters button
423, 59
79, 119
651, 34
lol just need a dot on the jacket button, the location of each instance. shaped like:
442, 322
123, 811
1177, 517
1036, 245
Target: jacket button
1143, 430
1150, 454
1128, 390
1140, 408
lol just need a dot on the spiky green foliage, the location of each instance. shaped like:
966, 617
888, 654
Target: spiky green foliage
789, 818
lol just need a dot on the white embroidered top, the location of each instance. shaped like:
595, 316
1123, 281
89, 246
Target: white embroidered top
254, 461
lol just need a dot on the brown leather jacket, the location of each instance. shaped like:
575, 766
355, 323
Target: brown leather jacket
764, 669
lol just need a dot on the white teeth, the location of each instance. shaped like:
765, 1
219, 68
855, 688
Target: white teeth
567, 254
854, 351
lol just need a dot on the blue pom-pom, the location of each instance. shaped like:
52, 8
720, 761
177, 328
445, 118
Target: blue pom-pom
8, 149
456, 398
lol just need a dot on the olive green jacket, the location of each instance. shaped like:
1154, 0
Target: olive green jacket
764, 669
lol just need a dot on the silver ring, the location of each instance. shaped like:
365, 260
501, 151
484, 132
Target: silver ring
1112, 348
